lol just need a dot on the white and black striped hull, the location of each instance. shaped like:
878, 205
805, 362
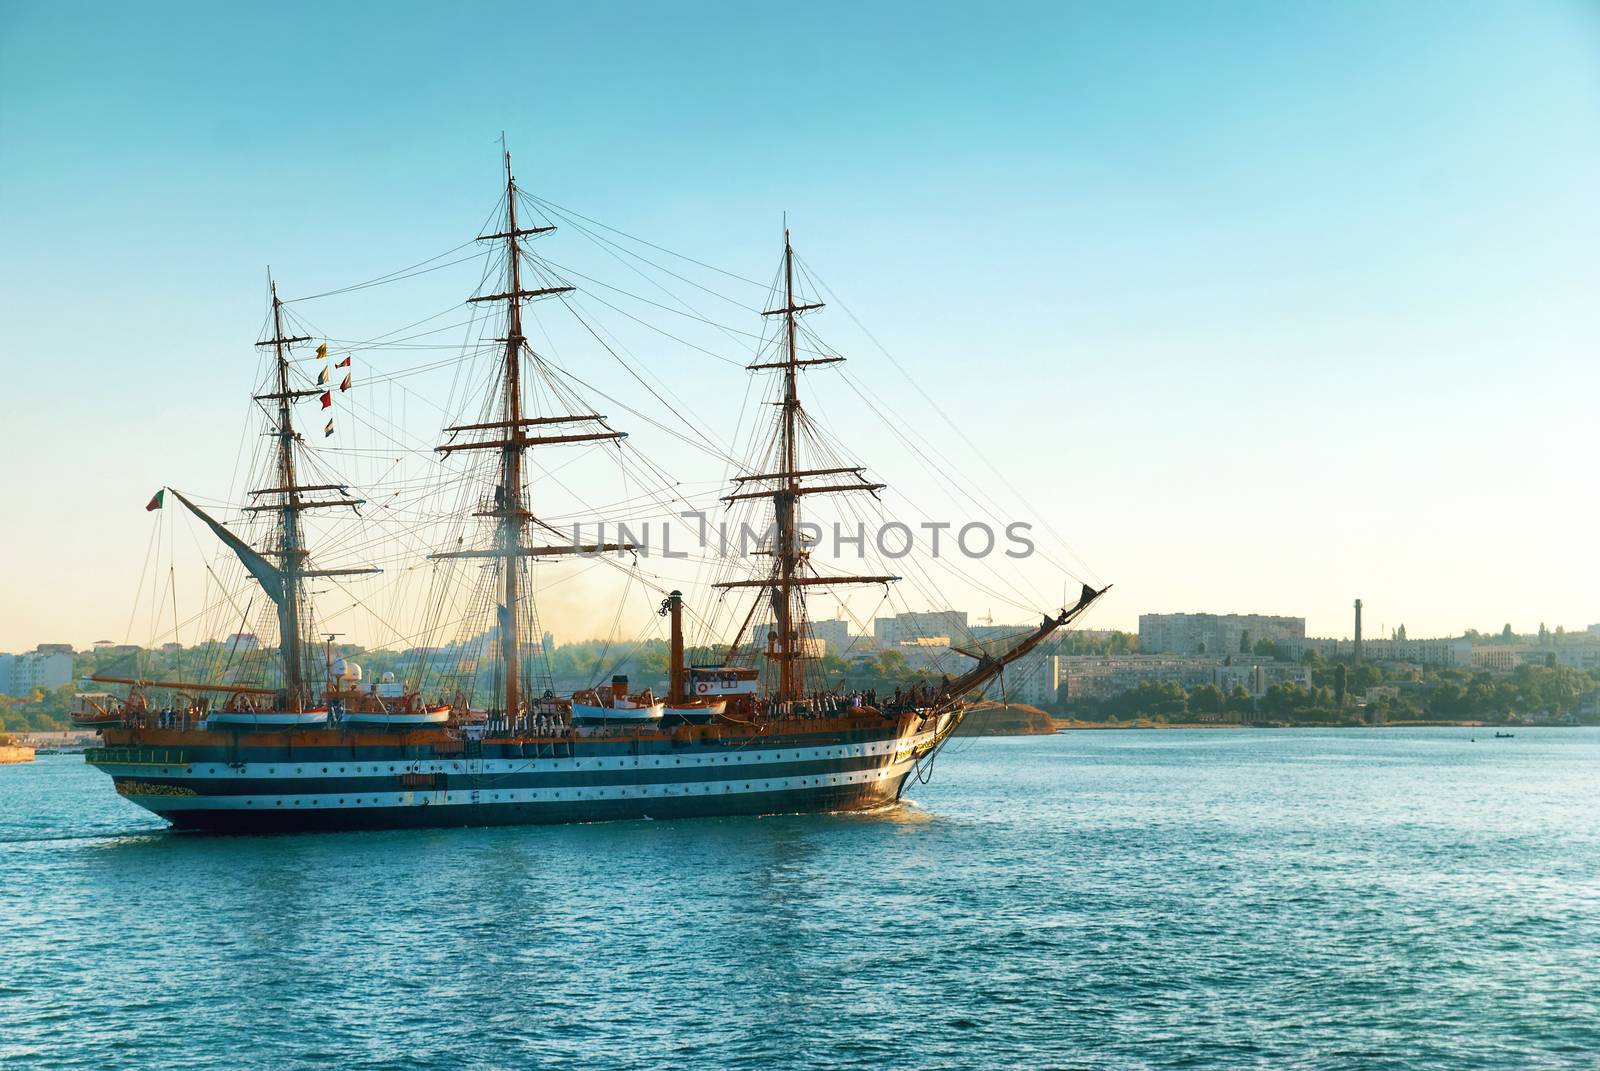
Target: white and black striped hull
249, 789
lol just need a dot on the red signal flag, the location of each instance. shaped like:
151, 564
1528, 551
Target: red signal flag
327, 398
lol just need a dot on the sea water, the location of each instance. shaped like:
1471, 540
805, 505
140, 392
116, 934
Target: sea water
1363, 899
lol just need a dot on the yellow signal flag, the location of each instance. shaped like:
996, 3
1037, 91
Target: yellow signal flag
322, 352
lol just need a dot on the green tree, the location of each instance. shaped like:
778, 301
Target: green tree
1341, 683
1244, 641
1206, 699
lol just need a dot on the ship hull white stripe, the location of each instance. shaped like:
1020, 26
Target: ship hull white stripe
566, 796
732, 759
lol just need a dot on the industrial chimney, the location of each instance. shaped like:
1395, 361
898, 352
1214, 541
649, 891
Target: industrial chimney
1358, 632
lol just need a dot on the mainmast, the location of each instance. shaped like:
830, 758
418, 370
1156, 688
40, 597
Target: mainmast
510, 498
511, 506
784, 501
785, 494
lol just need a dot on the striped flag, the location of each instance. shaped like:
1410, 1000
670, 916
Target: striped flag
343, 364
345, 383
327, 429
322, 376
158, 501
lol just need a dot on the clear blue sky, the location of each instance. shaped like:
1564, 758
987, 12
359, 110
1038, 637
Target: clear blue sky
1267, 305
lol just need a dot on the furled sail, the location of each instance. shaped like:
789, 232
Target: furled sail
269, 575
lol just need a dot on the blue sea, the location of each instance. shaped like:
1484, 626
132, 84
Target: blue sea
1362, 899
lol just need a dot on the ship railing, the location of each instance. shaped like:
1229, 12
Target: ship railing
135, 756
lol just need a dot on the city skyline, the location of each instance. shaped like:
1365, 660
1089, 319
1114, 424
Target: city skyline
887, 632
1293, 306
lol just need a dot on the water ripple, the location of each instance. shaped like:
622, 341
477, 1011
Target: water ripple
1339, 900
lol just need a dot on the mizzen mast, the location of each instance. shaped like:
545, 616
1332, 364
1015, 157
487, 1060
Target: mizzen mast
291, 552
286, 589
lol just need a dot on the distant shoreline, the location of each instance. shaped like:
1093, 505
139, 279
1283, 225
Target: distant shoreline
1070, 725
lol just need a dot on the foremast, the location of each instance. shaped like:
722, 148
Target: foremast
787, 581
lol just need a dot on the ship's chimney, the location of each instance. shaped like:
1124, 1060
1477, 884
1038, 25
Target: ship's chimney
1358, 632
673, 608
619, 686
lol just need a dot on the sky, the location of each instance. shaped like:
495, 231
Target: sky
1264, 307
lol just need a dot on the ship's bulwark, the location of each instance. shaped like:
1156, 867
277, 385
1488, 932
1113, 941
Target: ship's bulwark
331, 780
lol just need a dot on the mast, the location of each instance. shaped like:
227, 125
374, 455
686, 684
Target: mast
511, 456
784, 501
511, 510
292, 552
284, 583
786, 492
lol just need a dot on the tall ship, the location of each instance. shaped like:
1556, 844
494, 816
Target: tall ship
293, 736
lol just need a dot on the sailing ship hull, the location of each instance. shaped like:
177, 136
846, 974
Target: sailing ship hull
273, 782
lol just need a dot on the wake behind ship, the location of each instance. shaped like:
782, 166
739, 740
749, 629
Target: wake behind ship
297, 739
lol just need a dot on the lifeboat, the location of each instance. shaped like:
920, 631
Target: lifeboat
268, 719
621, 712
616, 707
95, 710
697, 711
95, 719
397, 719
